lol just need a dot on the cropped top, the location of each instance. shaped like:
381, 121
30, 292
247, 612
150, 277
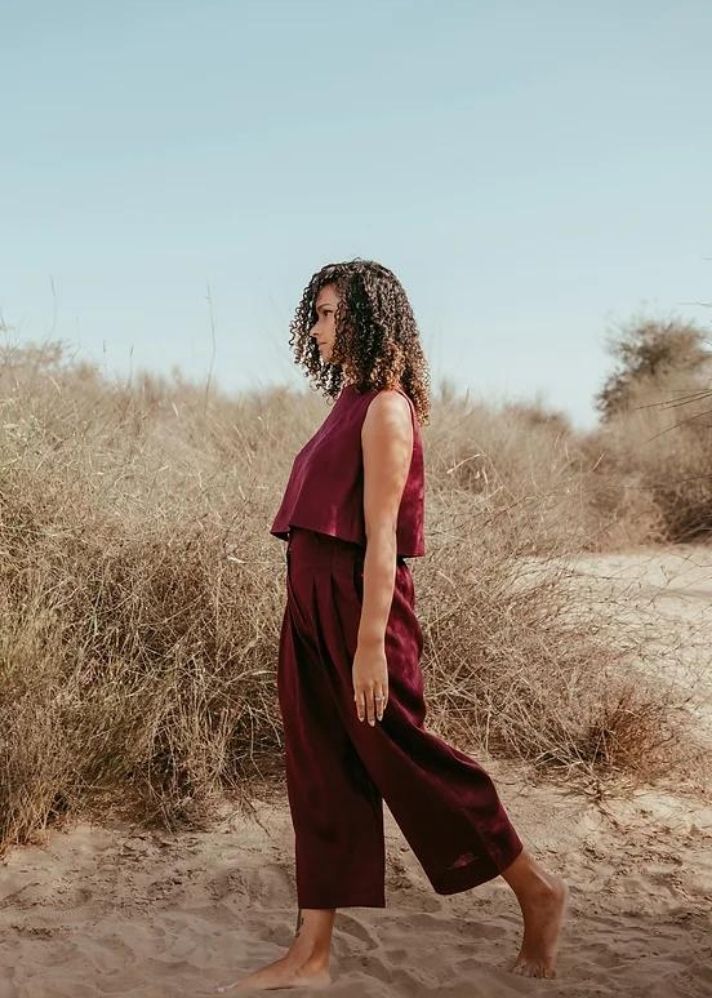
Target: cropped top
324, 491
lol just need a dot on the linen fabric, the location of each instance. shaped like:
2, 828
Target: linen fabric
324, 491
340, 770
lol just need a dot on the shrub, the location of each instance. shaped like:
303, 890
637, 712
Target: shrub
647, 350
141, 595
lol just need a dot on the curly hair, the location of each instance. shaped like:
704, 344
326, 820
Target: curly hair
376, 333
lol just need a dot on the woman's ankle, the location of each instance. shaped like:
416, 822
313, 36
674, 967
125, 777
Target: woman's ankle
309, 961
310, 951
528, 879
317, 963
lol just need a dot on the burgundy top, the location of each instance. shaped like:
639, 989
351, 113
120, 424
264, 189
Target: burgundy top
325, 487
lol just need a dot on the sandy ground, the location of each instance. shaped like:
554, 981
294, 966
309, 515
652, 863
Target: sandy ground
667, 596
118, 911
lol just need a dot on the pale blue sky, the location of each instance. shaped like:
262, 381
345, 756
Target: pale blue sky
534, 172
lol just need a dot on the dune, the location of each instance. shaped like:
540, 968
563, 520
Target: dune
112, 909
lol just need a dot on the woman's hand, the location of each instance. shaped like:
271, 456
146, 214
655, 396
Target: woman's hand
370, 679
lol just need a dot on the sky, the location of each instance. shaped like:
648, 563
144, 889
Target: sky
536, 173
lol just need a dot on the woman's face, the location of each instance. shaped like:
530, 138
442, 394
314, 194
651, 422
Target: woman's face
324, 329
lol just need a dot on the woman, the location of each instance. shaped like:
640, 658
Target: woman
349, 679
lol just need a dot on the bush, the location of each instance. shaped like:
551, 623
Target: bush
663, 440
142, 594
649, 351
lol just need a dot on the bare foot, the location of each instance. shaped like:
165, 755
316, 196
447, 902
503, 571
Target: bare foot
283, 973
544, 913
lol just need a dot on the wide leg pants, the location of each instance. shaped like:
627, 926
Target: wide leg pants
339, 769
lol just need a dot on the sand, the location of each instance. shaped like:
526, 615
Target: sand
114, 910
666, 595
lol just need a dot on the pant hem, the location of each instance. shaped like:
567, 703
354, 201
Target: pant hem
464, 878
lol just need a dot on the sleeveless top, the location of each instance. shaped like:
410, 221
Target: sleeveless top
324, 491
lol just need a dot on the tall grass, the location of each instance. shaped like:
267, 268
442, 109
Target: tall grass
662, 442
656, 435
142, 595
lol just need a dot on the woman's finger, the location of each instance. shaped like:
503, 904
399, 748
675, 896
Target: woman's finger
360, 705
381, 698
370, 706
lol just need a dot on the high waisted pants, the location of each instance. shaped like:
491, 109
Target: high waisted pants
339, 769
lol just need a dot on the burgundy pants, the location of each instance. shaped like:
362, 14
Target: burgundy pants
339, 769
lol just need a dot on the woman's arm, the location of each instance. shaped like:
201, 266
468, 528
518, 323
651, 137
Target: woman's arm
387, 443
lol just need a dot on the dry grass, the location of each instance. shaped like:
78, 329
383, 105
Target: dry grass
537, 480
142, 594
522, 663
663, 443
